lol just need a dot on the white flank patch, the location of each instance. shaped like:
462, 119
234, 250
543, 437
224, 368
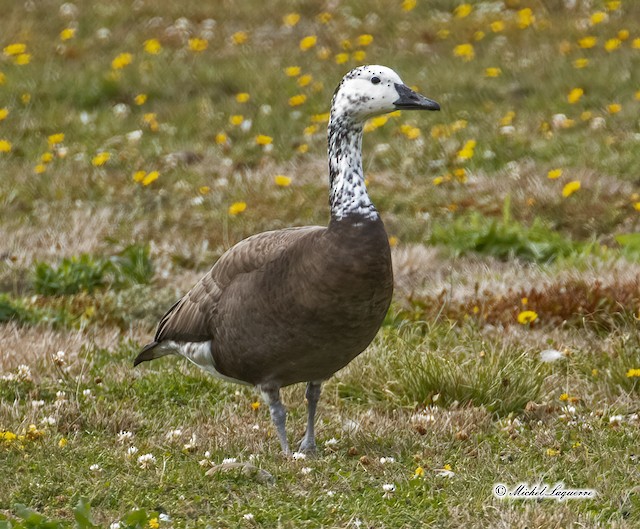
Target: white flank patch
199, 353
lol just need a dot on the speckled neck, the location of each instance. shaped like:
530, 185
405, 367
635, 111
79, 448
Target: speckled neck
348, 194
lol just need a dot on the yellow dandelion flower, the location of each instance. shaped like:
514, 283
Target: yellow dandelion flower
341, 58
310, 130
564, 397
297, 100
22, 59
46, 157
524, 301
198, 45
153, 523
479, 35
623, 34
409, 5
633, 373
410, 131
236, 119
467, 151
282, 180
242, 97
121, 60
152, 46
291, 19
598, 17
138, 176
221, 138
443, 34
359, 55
203, 190
527, 316
308, 42
587, 42
493, 72
140, 99
614, 108
237, 207
150, 119
586, 115
302, 148
346, 45
636, 206
100, 159
581, 63
497, 26
635, 44
239, 37
40, 168
255, 405
54, 139
525, 18
552, 452
62, 442
150, 177
25, 98
364, 40
3, 78
304, 80
67, 34
438, 180
570, 188
574, 95
418, 472
375, 123
462, 11
612, 44
393, 241
464, 51
324, 17
320, 118
554, 173
613, 5
292, 71
262, 139
17, 48
4, 112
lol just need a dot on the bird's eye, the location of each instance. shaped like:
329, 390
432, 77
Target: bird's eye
375, 80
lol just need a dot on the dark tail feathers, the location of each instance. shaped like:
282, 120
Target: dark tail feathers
151, 351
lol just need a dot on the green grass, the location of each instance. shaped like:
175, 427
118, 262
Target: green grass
92, 258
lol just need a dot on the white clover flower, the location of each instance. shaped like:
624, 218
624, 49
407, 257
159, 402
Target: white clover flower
331, 493
132, 451
389, 489
48, 421
228, 460
59, 358
248, 516
305, 470
385, 460
192, 444
616, 419
124, 436
95, 468
298, 456
146, 460
133, 136
86, 392
24, 373
551, 355
115, 525
173, 435
164, 517
37, 403
331, 442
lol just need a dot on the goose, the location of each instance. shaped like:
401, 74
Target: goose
298, 304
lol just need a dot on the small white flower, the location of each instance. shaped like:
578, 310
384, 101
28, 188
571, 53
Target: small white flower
121, 110
389, 489
132, 451
597, 123
173, 435
305, 470
61, 395
95, 468
37, 403
124, 436
164, 517
245, 126
133, 136
24, 373
146, 460
192, 444
298, 456
616, 419
229, 460
255, 427
331, 442
59, 358
248, 516
385, 460
331, 493
445, 473
49, 421
551, 355
207, 454
86, 392
115, 525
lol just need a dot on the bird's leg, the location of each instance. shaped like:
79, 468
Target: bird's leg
271, 395
308, 443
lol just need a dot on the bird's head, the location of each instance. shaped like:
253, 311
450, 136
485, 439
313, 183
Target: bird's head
371, 90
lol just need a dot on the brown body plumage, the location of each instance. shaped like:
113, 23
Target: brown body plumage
297, 305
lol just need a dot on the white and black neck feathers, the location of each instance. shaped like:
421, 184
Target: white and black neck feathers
348, 196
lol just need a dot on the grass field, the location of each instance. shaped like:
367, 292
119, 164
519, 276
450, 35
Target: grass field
140, 140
